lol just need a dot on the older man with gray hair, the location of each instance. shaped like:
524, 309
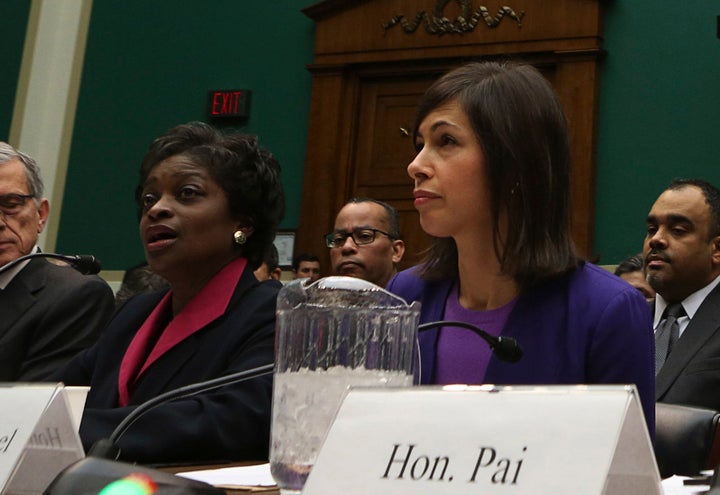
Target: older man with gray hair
49, 312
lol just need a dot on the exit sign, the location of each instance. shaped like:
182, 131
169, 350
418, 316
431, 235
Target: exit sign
229, 103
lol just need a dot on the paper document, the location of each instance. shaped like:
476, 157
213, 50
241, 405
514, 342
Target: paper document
235, 477
674, 486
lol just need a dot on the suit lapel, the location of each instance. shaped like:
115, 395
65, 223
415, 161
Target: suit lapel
19, 296
701, 327
166, 365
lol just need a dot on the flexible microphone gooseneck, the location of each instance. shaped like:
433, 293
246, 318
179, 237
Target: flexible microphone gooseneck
102, 456
92, 474
86, 264
107, 448
505, 348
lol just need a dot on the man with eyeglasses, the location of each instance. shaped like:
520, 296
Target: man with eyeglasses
365, 242
48, 312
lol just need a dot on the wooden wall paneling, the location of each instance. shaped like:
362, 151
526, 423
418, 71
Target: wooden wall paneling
325, 169
577, 84
351, 31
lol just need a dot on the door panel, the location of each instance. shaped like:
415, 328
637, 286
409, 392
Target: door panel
384, 148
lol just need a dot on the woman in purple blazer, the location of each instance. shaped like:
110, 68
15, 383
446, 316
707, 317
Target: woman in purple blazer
491, 184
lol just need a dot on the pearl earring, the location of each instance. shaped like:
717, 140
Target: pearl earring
240, 237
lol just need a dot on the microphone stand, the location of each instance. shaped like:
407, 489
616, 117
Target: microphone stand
505, 348
84, 263
101, 467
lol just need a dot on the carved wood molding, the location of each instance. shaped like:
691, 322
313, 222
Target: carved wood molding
437, 24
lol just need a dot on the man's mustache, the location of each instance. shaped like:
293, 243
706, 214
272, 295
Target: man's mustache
656, 255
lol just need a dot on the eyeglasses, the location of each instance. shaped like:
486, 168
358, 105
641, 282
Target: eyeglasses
10, 204
360, 237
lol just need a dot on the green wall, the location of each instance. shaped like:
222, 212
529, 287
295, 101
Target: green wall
148, 67
14, 15
659, 112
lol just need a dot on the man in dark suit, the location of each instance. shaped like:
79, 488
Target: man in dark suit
48, 312
682, 263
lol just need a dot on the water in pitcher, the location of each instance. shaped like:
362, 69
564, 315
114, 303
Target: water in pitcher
309, 401
336, 333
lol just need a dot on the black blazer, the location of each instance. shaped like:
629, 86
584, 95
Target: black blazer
228, 424
691, 373
49, 313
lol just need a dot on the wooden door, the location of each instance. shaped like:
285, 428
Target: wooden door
384, 148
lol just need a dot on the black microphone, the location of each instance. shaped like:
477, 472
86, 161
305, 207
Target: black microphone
505, 348
101, 467
86, 264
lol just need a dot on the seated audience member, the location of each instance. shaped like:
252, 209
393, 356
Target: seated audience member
682, 262
138, 280
48, 312
365, 242
210, 204
631, 270
491, 184
269, 271
306, 265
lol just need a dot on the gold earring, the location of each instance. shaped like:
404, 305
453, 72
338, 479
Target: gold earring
240, 237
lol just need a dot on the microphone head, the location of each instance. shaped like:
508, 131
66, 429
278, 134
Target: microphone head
86, 264
507, 349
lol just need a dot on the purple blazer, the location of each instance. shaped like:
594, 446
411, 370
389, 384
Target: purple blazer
588, 326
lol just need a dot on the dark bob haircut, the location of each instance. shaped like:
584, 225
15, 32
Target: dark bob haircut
249, 175
522, 131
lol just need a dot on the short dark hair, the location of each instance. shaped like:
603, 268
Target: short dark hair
631, 264
139, 279
248, 174
521, 127
712, 198
303, 257
271, 258
390, 212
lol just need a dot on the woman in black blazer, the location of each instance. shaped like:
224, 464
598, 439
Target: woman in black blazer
209, 205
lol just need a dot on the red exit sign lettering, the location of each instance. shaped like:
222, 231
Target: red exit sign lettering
229, 103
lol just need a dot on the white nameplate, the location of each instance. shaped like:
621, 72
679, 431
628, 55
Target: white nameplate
519, 440
38, 438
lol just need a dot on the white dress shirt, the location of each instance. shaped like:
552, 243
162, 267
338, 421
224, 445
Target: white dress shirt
691, 304
7, 276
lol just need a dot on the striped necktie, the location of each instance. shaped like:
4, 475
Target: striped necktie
667, 334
